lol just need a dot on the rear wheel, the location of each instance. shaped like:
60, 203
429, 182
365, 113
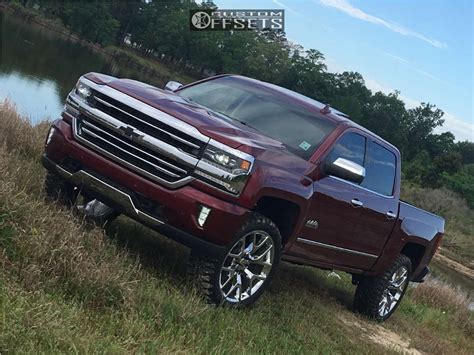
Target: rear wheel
378, 297
239, 277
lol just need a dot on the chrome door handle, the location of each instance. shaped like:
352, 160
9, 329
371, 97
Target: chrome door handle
356, 203
391, 215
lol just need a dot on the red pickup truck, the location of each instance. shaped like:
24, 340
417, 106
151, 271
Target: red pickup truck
246, 174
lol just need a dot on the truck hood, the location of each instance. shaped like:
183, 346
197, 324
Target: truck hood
208, 122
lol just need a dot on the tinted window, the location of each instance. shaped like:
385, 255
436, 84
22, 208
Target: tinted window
380, 165
351, 146
273, 114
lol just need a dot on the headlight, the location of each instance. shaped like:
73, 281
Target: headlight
231, 163
224, 167
83, 91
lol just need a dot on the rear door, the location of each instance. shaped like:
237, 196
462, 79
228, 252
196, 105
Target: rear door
380, 200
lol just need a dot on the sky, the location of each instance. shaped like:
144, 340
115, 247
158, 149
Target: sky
422, 48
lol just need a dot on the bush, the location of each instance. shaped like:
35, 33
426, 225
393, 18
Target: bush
463, 183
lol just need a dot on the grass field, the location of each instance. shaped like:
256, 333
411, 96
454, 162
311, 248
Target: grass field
66, 286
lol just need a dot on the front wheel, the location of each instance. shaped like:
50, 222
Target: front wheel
239, 277
378, 297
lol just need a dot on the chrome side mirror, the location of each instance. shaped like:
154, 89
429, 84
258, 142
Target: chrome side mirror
345, 169
173, 86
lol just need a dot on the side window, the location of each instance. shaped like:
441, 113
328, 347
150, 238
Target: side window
380, 168
351, 146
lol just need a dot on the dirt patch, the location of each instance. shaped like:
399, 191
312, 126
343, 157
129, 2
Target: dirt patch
464, 270
382, 336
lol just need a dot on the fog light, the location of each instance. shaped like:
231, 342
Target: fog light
203, 215
52, 130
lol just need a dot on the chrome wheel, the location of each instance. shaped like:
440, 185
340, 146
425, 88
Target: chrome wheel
392, 295
246, 266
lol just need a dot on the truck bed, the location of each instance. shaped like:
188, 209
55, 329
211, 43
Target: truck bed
433, 222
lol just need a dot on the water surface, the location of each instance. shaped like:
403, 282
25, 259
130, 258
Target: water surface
38, 67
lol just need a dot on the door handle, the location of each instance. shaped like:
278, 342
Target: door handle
356, 203
391, 215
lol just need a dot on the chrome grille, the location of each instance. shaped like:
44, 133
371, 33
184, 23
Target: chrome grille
145, 123
142, 143
143, 160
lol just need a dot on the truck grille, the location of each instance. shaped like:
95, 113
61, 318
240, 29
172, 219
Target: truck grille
145, 123
137, 141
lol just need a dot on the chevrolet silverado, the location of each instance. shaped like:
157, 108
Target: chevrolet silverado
246, 174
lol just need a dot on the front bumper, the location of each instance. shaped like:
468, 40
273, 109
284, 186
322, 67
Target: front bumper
171, 212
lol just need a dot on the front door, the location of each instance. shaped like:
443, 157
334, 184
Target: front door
337, 206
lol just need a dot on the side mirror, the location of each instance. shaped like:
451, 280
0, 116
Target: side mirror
345, 169
173, 86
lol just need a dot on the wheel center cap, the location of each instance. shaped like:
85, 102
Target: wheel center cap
241, 264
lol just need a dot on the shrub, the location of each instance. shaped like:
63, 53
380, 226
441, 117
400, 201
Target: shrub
441, 295
463, 183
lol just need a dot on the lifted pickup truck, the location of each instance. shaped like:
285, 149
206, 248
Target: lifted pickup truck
245, 173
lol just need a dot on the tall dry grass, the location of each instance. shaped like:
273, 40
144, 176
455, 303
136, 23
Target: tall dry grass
42, 245
441, 295
440, 201
18, 135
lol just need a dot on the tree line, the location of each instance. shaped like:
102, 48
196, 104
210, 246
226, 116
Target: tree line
160, 28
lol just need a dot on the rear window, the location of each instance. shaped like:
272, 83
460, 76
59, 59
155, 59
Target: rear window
380, 166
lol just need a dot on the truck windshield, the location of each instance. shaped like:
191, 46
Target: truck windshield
274, 115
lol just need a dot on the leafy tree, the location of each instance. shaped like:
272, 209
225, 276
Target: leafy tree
421, 170
351, 94
463, 183
438, 144
386, 115
466, 149
421, 122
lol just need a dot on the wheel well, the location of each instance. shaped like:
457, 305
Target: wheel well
415, 252
282, 212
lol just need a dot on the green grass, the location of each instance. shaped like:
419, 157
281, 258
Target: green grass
66, 286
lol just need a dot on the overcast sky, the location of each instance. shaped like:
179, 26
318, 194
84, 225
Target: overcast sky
423, 48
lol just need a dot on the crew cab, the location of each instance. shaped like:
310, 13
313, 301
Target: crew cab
246, 174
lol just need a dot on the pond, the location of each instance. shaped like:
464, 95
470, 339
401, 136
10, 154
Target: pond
39, 67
